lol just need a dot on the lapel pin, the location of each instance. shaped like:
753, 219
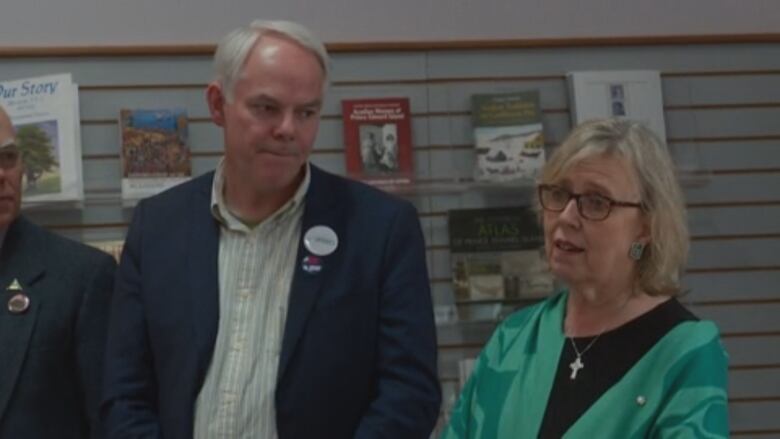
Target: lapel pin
321, 240
14, 286
18, 303
312, 264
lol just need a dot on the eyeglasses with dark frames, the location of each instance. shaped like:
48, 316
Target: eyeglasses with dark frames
594, 207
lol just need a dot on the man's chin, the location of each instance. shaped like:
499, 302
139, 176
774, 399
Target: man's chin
6, 218
276, 181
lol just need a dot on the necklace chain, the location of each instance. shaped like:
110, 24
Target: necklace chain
577, 364
592, 342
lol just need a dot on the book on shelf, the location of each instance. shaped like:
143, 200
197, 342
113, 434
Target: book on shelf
630, 94
497, 254
378, 140
45, 113
112, 247
155, 151
508, 136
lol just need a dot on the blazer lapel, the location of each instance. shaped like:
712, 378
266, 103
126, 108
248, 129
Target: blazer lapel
202, 250
19, 260
321, 210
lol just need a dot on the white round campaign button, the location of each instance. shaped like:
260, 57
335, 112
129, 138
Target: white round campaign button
321, 240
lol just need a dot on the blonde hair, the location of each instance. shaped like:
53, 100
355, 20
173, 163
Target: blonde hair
663, 261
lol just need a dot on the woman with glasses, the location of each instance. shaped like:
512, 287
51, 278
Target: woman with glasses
614, 355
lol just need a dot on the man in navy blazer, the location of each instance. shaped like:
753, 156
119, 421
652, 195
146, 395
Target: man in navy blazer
55, 294
357, 357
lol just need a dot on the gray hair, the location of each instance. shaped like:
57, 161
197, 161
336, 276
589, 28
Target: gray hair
234, 48
661, 265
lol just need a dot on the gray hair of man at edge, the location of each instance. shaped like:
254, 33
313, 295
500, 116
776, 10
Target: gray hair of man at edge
664, 259
234, 48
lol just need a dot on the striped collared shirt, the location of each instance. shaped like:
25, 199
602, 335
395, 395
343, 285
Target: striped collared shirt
256, 267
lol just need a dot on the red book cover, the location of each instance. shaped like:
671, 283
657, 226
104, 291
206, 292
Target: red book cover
378, 140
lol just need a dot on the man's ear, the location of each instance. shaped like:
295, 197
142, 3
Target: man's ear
216, 101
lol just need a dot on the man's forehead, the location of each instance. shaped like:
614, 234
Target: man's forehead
6, 129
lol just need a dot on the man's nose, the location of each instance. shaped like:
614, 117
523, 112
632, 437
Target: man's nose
286, 126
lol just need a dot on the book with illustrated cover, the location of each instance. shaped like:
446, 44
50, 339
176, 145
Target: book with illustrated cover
508, 136
378, 140
630, 94
45, 113
155, 151
497, 254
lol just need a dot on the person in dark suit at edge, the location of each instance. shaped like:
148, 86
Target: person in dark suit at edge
55, 296
270, 298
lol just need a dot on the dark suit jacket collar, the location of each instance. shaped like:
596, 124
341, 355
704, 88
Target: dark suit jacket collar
21, 254
202, 252
21, 258
323, 208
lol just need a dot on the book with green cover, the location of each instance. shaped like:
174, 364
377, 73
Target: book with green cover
508, 136
497, 254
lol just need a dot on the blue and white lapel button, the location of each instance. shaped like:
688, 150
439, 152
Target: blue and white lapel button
321, 240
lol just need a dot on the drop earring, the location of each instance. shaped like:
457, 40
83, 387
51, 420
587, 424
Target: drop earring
636, 250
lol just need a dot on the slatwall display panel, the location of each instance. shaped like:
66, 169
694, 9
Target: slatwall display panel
680, 59
729, 143
738, 156
731, 221
732, 286
114, 72
721, 126
740, 89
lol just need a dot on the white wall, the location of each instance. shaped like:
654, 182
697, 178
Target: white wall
118, 22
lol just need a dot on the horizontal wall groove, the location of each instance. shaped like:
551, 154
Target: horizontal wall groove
733, 269
442, 247
754, 432
750, 334
207, 49
751, 171
757, 301
735, 237
714, 139
747, 399
142, 87
755, 367
731, 106
736, 72
718, 204
118, 225
447, 280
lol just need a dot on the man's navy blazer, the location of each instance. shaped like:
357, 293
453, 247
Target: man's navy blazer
51, 354
359, 347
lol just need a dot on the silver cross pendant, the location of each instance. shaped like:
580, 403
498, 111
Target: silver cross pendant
575, 366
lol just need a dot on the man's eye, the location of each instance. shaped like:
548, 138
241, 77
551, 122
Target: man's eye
264, 108
9, 156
